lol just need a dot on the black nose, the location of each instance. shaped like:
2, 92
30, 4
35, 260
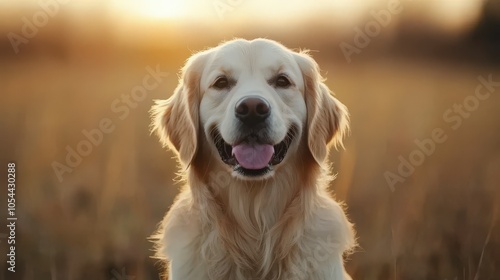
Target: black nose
252, 110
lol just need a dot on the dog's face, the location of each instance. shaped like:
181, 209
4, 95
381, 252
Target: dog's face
253, 105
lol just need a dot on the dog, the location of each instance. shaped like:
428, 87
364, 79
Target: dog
252, 123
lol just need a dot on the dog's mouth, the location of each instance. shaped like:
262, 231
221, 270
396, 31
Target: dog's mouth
252, 156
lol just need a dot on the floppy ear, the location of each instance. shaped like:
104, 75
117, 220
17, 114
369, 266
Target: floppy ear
175, 120
327, 118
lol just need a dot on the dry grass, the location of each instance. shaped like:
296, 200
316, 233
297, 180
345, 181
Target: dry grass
438, 224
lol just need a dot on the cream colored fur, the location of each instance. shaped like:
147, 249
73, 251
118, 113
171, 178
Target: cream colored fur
285, 226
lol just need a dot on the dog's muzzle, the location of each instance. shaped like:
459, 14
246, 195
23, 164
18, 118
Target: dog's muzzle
253, 154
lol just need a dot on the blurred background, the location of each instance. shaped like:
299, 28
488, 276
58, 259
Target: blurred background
92, 183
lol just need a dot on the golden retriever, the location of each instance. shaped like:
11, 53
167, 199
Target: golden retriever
252, 123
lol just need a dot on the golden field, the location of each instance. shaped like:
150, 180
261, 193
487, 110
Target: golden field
439, 222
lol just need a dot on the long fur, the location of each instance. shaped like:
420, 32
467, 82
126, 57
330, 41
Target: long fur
284, 227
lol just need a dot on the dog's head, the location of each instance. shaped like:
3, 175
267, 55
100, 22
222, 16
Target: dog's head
252, 106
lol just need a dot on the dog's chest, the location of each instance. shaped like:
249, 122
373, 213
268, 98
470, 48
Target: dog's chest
245, 258
237, 254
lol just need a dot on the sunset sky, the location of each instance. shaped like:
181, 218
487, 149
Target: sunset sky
447, 14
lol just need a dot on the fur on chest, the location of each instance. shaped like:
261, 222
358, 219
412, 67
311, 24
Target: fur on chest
224, 247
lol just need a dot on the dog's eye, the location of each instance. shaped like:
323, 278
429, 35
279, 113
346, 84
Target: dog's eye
221, 83
282, 81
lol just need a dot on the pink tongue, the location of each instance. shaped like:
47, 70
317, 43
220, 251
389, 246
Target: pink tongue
253, 156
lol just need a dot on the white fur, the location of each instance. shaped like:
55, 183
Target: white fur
223, 225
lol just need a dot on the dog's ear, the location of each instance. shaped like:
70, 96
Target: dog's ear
327, 118
176, 120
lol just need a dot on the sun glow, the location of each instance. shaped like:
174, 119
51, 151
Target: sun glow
458, 15
155, 8
451, 16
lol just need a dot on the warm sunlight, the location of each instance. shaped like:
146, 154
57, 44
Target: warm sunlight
155, 8
456, 16
452, 16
